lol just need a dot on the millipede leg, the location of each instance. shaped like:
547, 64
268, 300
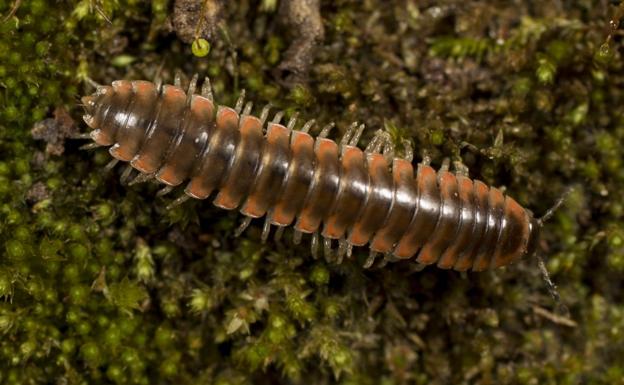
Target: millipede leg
110, 165
164, 191
247, 109
297, 237
372, 254
89, 119
358, 134
343, 247
375, 144
292, 121
445, 165
191, 89
92, 82
417, 266
206, 90
314, 244
241, 100
85, 135
90, 146
327, 249
266, 229
177, 79
140, 179
388, 147
325, 131
279, 233
460, 168
409, 150
348, 134
278, 117
181, 199
265, 113
426, 159
243, 226
125, 175
386, 258
306, 127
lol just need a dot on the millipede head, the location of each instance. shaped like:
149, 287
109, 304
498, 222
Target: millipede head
88, 102
536, 224
91, 104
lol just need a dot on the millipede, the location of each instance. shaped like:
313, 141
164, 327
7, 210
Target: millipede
336, 192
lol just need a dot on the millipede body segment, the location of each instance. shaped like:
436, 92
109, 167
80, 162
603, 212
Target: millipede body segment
357, 197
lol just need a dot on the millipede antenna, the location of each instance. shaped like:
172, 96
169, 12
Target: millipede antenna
552, 288
551, 211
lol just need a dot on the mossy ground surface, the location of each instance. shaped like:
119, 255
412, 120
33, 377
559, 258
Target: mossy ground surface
100, 283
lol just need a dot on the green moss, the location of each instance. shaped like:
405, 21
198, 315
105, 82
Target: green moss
200, 47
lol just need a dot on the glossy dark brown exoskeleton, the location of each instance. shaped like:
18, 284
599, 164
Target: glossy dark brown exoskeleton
347, 194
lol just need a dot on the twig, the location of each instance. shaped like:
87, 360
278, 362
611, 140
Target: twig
559, 320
